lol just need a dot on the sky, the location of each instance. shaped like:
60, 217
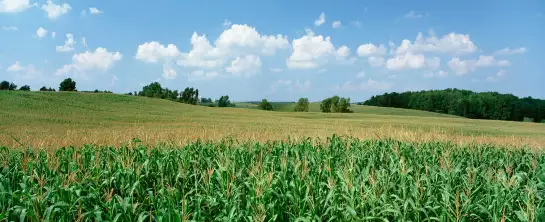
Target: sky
278, 50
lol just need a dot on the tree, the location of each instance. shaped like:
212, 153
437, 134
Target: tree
24, 88
4, 85
154, 89
302, 105
206, 100
265, 105
325, 106
344, 106
189, 96
224, 101
68, 85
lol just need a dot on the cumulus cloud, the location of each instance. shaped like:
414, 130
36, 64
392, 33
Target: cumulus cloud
461, 67
406, 61
370, 49
54, 11
509, 51
94, 11
336, 24
14, 6
68, 44
100, 59
247, 65
320, 20
310, 51
41, 32
154, 51
451, 43
369, 85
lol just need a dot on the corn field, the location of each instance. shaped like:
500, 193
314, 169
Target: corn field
341, 179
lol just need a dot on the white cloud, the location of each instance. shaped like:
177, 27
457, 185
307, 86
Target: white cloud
41, 32
276, 69
342, 56
53, 34
461, 67
320, 20
10, 28
310, 51
68, 44
100, 59
451, 43
247, 66
54, 11
414, 15
94, 11
375, 61
227, 23
369, 85
14, 6
370, 49
508, 51
153, 52
23, 72
336, 24
238, 41
406, 61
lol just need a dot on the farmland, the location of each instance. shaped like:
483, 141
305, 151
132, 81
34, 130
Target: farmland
342, 180
93, 157
46, 119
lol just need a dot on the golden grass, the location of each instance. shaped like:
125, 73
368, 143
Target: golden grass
64, 119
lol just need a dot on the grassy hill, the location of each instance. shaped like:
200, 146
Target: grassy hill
62, 119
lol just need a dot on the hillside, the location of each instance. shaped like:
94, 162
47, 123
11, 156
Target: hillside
315, 107
62, 118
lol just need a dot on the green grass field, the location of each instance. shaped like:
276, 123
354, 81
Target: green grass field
42, 119
93, 157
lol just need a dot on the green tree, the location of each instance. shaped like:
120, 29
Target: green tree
302, 105
265, 105
224, 101
325, 106
24, 88
67, 85
4, 85
189, 96
154, 89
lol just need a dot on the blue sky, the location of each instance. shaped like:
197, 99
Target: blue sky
280, 50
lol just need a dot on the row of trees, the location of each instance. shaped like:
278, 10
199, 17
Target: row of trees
335, 104
188, 95
466, 103
66, 85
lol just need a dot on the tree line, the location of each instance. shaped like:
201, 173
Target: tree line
189, 95
466, 103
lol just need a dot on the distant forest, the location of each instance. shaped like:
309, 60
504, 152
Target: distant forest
466, 103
